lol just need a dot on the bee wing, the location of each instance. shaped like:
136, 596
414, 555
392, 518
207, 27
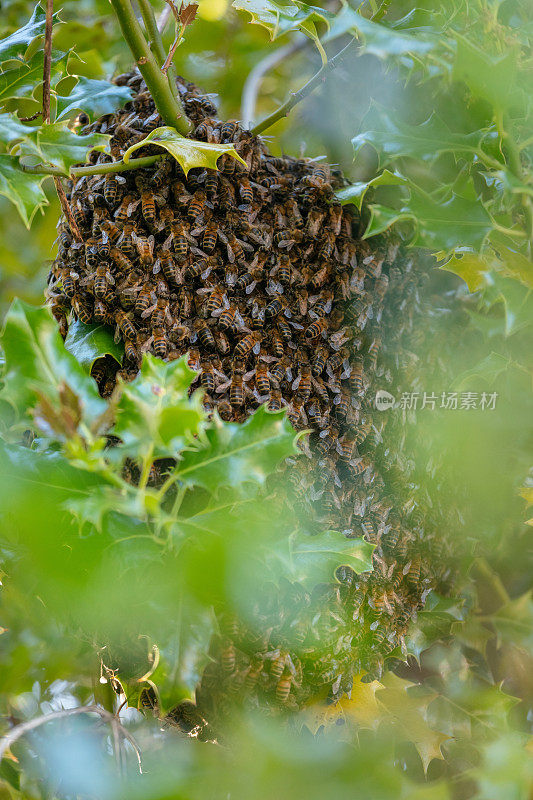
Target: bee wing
249, 289
148, 311
296, 382
256, 348
223, 386
157, 266
110, 278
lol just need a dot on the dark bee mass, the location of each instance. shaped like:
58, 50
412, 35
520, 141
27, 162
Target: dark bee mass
260, 275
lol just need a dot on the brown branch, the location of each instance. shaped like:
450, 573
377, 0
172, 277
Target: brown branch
25, 727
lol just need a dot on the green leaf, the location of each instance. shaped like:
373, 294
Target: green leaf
514, 622
393, 138
23, 189
492, 77
37, 362
21, 82
232, 453
315, 559
155, 414
89, 342
382, 218
15, 46
93, 97
189, 153
355, 193
57, 145
379, 40
469, 266
280, 18
517, 301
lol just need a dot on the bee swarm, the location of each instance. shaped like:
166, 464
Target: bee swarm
258, 273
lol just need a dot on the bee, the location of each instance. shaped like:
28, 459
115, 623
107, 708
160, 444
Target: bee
373, 352
210, 236
275, 307
287, 237
125, 325
326, 439
283, 269
226, 195
356, 376
313, 412
245, 191
276, 402
233, 246
314, 220
78, 214
283, 686
358, 467
346, 446
126, 207
147, 203
187, 301
91, 253
163, 173
327, 247
207, 129
82, 310
342, 404
223, 345
229, 130
225, 411
302, 384
68, 281
145, 248
159, 342
251, 342
111, 188
412, 571
316, 328
279, 660
381, 286
248, 280
197, 204
322, 306
211, 182
227, 657
143, 300
276, 341
204, 334
165, 262
207, 376
262, 380
112, 232
253, 672
159, 313
121, 261
126, 243
236, 391
217, 299
277, 371
130, 351
180, 242
103, 279
335, 218
285, 330
227, 317
100, 311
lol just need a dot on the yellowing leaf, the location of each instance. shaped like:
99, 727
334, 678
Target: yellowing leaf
189, 153
527, 493
360, 709
469, 266
408, 714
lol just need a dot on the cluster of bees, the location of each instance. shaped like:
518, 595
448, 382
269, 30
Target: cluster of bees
257, 273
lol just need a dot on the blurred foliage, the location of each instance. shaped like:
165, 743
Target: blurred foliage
103, 567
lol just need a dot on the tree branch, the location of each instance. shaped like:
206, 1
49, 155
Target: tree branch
96, 169
156, 42
168, 106
25, 727
310, 86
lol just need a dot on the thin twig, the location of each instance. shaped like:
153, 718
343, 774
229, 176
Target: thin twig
296, 97
47, 70
163, 19
250, 91
93, 169
177, 38
156, 42
25, 727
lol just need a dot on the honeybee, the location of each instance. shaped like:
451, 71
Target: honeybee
144, 299
234, 247
284, 329
204, 334
251, 342
302, 384
275, 402
197, 205
373, 352
245, 191
82, 310
126, 207
160, 344
126, 243
111, 231
210, 236
159, 313
227, 657
147, 202
335, 218
278, 348
125, 325
103, 279
68, 281
163, 173
276, 307
229, 130
121, 261
165, 263
316, 328
286, 238
326, 439
145, 248
322, 305
111, 188
262, 381
314, 220
79, 214
225, 411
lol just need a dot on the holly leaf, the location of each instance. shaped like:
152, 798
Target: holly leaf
189, 153
407, 712
382, 218
469, 266
89, 342
23, 189
20, 82
280, 18
155, 414
37, 363
392, 138
315, 559
355, 193
359, 710
16, 45
57, 145
514, 622
377, 39
231, 454
95, 98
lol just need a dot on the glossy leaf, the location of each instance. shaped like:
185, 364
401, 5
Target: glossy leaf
280, 18
37, 362
355, 193
89, 342
359, 710
469, 266
232, 454
154, 413
23, 189
16, 45
93, 97
57, 145
21, 82
189, 153
315, 559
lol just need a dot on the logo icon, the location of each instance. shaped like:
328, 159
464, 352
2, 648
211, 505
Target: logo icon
384, 400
